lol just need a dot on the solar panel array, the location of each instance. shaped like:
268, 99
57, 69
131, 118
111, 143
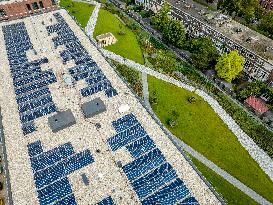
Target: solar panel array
85, 67
30, 82
51, 169
153, 179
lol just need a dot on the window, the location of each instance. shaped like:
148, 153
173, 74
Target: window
2, 13
41, 4
53, 2
35, 6
28, 7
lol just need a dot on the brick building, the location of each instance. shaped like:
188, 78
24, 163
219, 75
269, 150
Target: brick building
12, 9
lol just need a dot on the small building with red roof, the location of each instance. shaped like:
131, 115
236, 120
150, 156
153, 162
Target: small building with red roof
256, 104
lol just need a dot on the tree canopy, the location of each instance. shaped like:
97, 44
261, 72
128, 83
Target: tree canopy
173, 30
249, 9
204, 53
266, 23
256, 88
229, 65
161, 19
175, 33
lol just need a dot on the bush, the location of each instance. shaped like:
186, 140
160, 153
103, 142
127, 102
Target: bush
171, 122
192, 99
121, 33
146, 14
156, 43
153, 98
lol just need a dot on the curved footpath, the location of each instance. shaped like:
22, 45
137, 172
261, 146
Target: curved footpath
90, 27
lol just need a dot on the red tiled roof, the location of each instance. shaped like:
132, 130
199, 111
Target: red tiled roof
257, 104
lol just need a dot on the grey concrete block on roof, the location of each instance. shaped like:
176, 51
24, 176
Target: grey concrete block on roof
93, 107
61, 120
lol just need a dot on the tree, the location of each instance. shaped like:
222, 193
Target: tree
266, 23
230, 65
175, 33
255, 88
249, 9
204, 53
161, 19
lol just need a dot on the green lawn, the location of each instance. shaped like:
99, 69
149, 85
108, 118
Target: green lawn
81, 11
201, 128
230, 194
127, 45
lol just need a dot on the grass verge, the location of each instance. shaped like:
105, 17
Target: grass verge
127, 44
201, 128
81, 11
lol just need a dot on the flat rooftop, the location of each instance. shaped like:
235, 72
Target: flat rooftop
259, 43
118, 156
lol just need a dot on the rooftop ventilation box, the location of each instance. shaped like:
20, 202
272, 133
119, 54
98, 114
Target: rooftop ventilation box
61, 120
93, 107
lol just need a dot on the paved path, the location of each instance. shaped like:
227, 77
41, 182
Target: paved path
184, 146
145, 90
91, 24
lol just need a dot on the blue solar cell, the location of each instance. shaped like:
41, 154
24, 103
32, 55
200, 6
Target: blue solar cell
189, 201
35, 148
51, 169
86, 68
50, 157
144, 164
126, 136
69, 200
28, 128
124, 122
28, 78
141, 146
168, 195
54, 191
63, 168
154, 180
107, 201
111, 92
32, 95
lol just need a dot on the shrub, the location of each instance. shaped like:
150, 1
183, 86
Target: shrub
121, 33
157, 44
153, 98
192, 99
171, 122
